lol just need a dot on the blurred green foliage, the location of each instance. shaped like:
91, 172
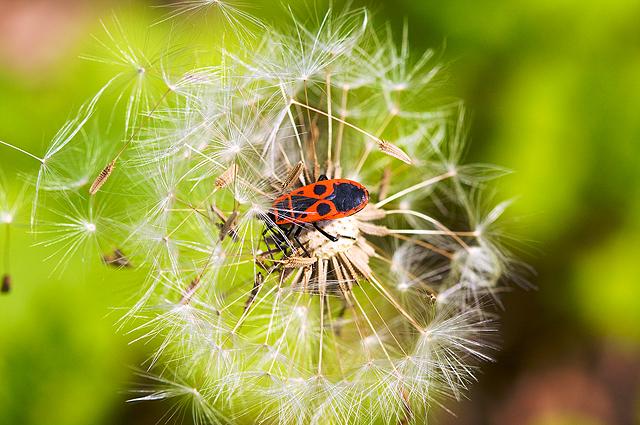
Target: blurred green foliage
554, 91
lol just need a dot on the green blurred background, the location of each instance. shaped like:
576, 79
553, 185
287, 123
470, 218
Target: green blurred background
554, 91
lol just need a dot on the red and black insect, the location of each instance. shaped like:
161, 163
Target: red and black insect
326, 199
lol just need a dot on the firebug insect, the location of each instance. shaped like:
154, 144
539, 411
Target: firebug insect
326, 199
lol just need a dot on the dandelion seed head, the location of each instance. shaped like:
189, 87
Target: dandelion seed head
374, 323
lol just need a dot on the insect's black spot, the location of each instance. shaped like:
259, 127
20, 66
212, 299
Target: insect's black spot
319, 189
323, 208
348, 197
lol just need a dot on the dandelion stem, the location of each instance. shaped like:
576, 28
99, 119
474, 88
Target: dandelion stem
281, 340
176, 228
41, 160
454, 235
373, 330
396, 304
104, 175
274, 308
295, 129
424, 244
415, 187
346, 292
7, 248
429, 232
424, 285
306, 99
341, 121
137, 133
322, 297
334, 333
369, 147
399, 154
196, 284
330, 122
375, 308
253, 305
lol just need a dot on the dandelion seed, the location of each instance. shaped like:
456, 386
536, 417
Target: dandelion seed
117, 259
298, 262
6, 284
228, 227
227, 177
394, 151
102, 178
293, 176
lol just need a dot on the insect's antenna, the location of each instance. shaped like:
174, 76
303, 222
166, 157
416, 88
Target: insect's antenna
106, 172
269, 219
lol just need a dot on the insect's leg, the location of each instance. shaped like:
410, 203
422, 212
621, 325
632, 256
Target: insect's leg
279, 237
285, 237
331, 237
268, 252
322, 177
325, 234
289, 231
296, 237
268, 228
257, 283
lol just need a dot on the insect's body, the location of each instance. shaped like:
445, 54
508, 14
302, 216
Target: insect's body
305, 207
319, 201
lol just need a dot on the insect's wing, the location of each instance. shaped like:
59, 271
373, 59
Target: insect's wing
304, 208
